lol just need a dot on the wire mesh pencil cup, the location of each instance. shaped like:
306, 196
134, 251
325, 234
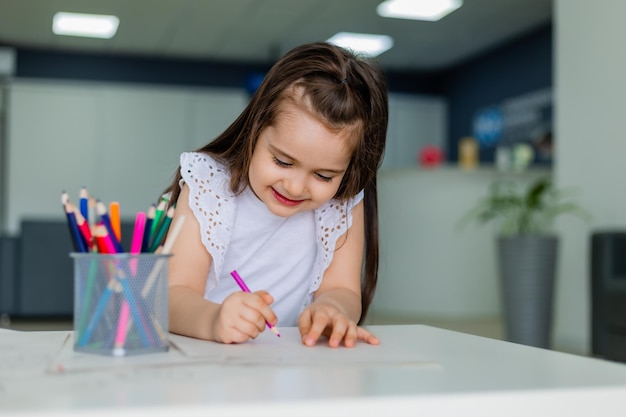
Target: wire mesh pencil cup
120, 303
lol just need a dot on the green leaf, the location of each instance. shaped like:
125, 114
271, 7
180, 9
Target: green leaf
523, 212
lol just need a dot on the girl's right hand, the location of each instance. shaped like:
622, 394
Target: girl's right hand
242, 316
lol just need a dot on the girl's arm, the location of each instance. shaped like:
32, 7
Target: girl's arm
336, 307
240, 317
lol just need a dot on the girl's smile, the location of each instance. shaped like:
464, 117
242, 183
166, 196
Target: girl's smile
284, 200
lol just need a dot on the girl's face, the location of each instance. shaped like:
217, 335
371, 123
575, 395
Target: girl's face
298, 163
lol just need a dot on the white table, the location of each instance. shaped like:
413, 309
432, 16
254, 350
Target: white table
417, 370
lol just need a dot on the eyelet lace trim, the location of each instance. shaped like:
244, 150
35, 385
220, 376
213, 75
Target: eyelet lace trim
212, 203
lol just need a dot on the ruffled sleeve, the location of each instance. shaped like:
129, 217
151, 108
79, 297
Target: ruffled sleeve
332, 220
212, 203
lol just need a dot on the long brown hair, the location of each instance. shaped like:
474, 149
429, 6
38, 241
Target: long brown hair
344, 90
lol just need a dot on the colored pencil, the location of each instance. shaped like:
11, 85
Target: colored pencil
65, 198
135, 248
167, 248
156, 270
144, 332
92, 218
106, 220
105, 242
165, 224
116, 223
77, 239
109, 242
88, 295
158, 215
84, 202
137, 240
67, 205
84, 229
245, 288
102, 303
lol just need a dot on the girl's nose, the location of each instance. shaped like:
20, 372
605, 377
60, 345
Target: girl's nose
295, 185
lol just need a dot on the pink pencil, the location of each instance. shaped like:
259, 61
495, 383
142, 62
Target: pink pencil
135, 248
135, 245
245, 288
108, 242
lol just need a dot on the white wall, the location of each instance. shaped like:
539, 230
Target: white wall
414, 121
120, 141
590, 68
430, 267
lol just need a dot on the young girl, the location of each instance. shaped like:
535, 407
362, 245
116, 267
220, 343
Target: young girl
287, 197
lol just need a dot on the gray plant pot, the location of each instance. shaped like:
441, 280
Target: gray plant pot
527, 267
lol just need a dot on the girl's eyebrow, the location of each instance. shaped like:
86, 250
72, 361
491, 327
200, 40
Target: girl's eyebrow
286, 155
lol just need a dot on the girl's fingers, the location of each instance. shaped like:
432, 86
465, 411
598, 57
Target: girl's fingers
318, 326
263, 307
254, 318
313, 323
304, 323
339, 331
243, 316
265, 296
366, 336
351, 335
312, 326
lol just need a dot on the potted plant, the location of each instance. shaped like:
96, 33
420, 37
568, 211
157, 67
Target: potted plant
527, 250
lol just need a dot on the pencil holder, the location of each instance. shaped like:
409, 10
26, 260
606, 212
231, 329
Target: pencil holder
120, 303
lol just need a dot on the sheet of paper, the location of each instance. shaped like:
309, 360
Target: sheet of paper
288, 350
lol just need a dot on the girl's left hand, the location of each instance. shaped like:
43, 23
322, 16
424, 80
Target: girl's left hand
326, 319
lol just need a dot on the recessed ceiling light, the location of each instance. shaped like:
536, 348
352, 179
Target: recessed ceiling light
81, 24
363, 43
431, 10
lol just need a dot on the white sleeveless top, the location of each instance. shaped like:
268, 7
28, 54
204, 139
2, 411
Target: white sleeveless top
286, 256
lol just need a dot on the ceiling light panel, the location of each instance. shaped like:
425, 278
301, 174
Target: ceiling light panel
88, 25
429, 10
363, 43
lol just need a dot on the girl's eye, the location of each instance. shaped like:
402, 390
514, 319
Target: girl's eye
324, 178
287, 165
281, 163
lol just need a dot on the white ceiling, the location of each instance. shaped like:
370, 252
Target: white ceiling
261, 30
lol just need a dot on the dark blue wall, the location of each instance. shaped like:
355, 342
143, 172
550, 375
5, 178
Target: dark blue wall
521, 66
36, 63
